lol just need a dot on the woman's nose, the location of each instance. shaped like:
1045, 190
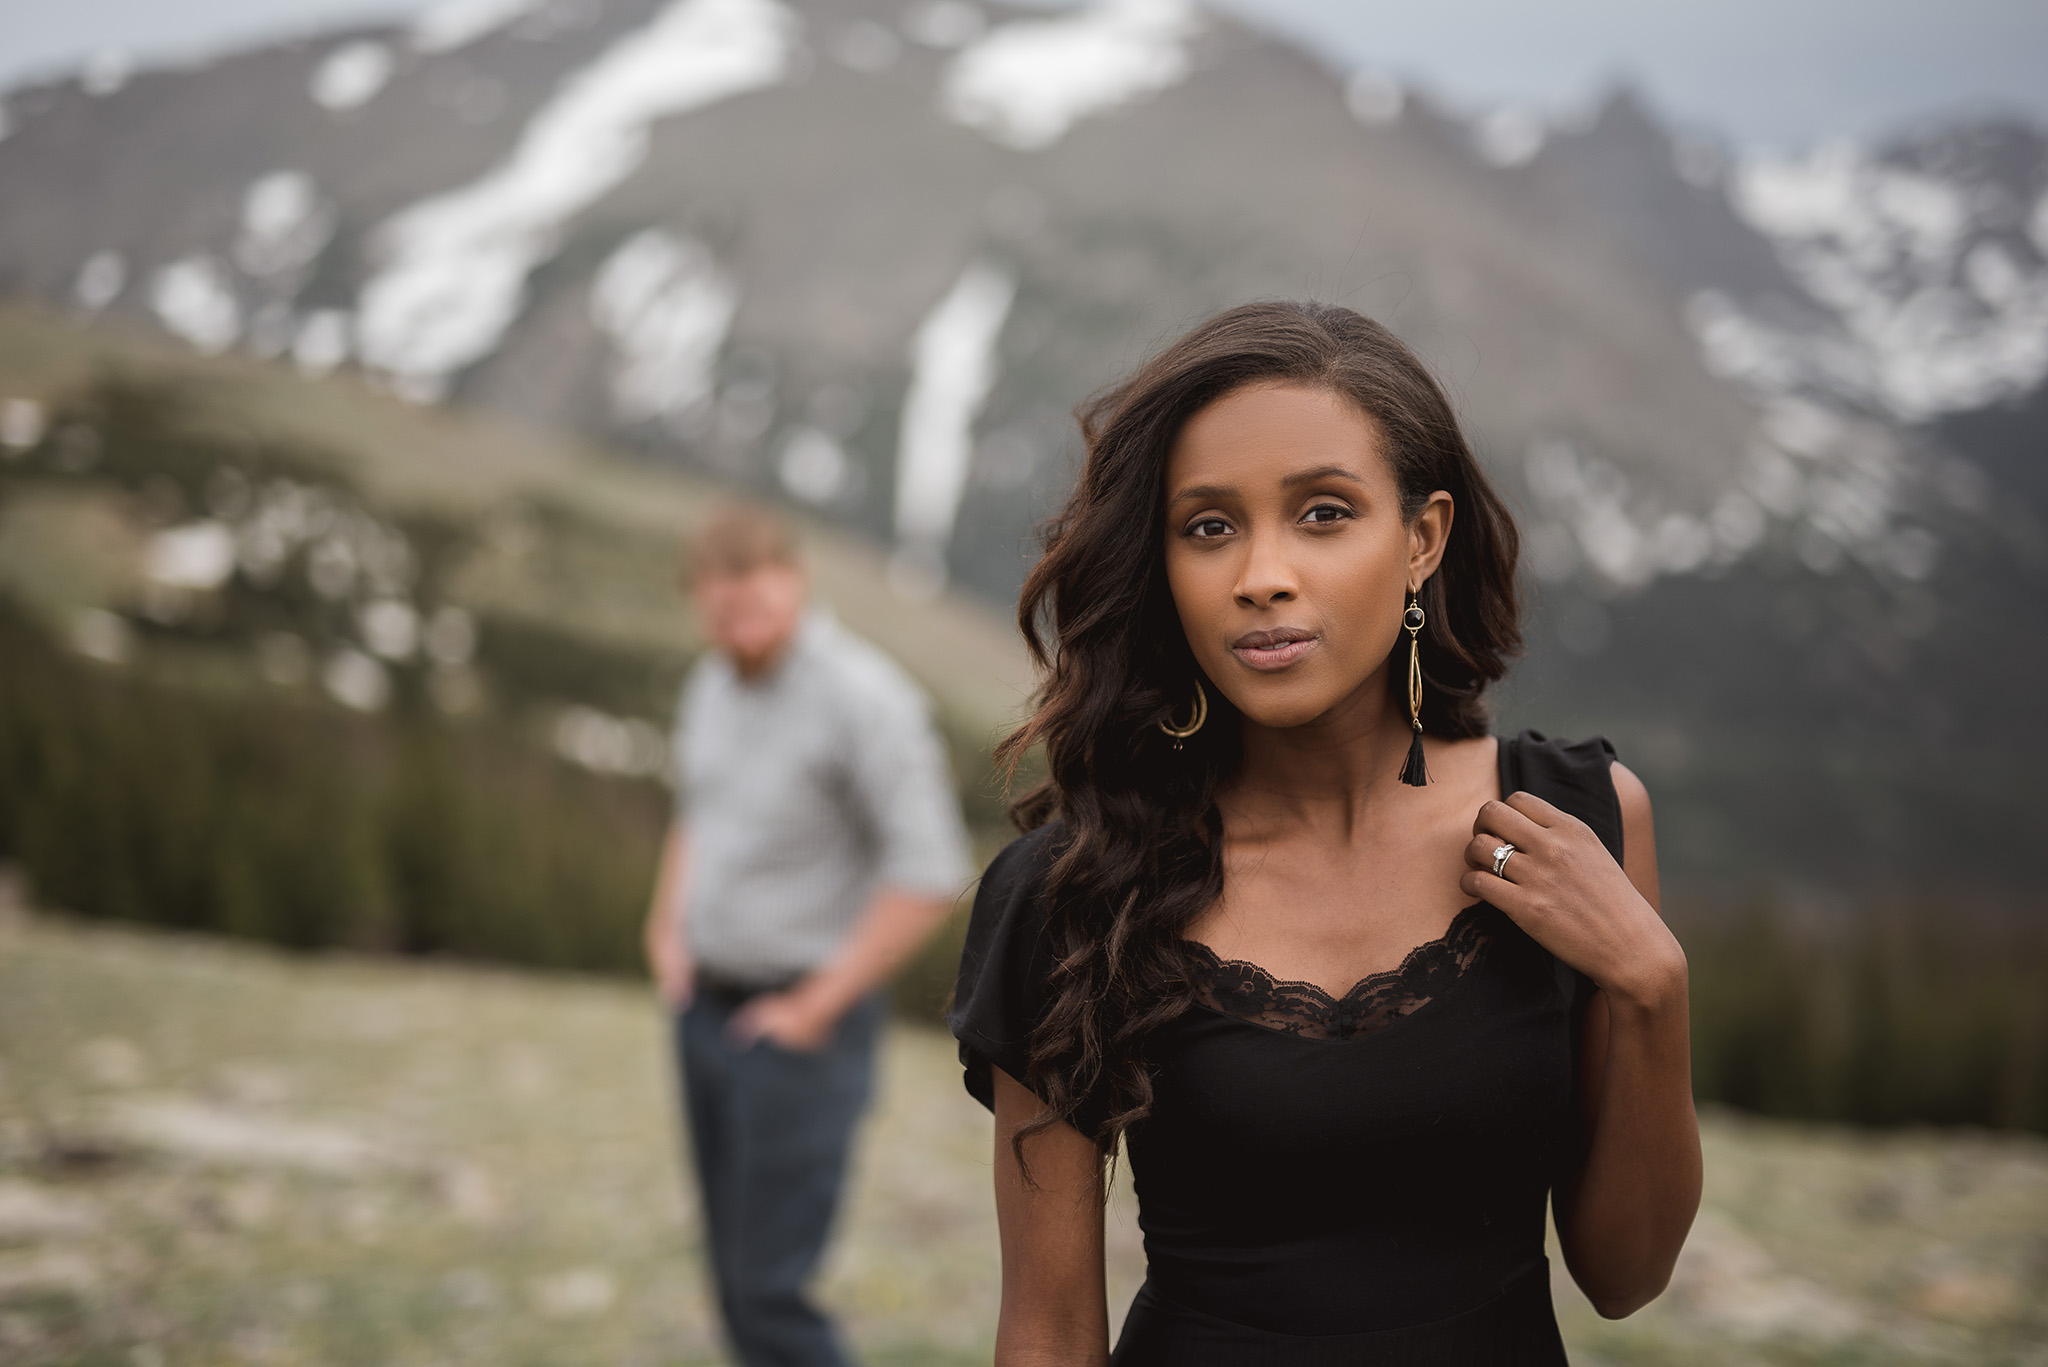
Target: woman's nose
1266, 576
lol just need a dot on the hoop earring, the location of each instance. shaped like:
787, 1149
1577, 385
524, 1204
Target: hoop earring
1201, 714
1414, 773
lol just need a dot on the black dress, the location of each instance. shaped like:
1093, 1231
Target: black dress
1355, 1180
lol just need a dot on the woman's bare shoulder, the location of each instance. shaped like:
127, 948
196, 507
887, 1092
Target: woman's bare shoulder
1638, 833
1634, 799
1466, 760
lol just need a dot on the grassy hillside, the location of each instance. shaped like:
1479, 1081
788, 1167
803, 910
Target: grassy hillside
549, 530
297, 661
212, 1153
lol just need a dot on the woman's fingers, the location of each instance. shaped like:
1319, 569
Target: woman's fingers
1498, 818
1523, 820
1482, 886
1479, 851
1537, 810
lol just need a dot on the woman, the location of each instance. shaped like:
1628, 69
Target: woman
1357, 985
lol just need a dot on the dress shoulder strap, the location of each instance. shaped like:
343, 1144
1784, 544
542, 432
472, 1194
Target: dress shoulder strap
1573, 775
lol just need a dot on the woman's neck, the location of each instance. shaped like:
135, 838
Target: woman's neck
1335, 769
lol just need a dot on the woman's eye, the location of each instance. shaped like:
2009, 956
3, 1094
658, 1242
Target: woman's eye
1326, 512
1203, 528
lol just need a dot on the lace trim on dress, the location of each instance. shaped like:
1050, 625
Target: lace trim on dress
1248, 992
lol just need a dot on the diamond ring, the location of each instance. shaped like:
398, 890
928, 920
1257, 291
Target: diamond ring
1500, 859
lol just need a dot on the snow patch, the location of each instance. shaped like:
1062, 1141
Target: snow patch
944, 23
666, 306
814, 466
356, 681
322, 342
953, 368
1509, 136
1588, 498
390, 627
607, 744
453, 267
100, 635
100, 280
106, 71
285, 223
22, 424
194, 298
351, 76
1029, 82
450, 637
196, 555
1374, 97
1928, 315
458, 23
1837, 484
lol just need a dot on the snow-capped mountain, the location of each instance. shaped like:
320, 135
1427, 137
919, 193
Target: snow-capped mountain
1927, 259
1873, 665
870, 256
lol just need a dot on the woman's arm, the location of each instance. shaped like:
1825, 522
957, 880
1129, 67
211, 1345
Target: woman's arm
1623, 1215
1055, 1308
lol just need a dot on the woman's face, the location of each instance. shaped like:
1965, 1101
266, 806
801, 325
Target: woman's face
1288, 558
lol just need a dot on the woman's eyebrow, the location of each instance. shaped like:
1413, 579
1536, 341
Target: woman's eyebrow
1205, 493
1320, 472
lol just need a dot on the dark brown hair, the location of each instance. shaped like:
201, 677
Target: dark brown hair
1140, 845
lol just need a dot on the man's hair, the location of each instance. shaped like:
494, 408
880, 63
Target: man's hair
738, 538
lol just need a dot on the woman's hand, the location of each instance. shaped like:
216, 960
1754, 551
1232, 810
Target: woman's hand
1564, 888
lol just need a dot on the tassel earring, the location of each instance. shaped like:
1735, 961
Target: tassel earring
1414, 773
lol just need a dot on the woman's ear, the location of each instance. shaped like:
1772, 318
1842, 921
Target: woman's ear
1428, 535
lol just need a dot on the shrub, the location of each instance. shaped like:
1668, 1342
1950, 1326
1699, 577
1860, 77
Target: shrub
282, 819
1907, 1012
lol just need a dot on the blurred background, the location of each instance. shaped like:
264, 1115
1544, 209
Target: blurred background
363, 365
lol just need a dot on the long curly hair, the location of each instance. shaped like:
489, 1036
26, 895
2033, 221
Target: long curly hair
1140, 845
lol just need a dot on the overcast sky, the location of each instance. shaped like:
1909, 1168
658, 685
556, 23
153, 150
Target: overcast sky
1777, 72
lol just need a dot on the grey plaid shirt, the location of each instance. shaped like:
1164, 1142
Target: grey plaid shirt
802, 792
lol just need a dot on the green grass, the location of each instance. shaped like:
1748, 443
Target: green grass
218, 1153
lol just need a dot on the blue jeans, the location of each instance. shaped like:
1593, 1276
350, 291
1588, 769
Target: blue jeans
770, 1129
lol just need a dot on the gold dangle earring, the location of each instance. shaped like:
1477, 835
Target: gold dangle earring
1413, 773
1201, 714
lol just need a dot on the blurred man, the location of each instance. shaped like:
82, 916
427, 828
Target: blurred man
817, 843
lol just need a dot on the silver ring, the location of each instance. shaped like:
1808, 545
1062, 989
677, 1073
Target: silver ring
1500, 858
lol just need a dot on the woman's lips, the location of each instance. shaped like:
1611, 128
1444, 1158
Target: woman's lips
1275, 649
